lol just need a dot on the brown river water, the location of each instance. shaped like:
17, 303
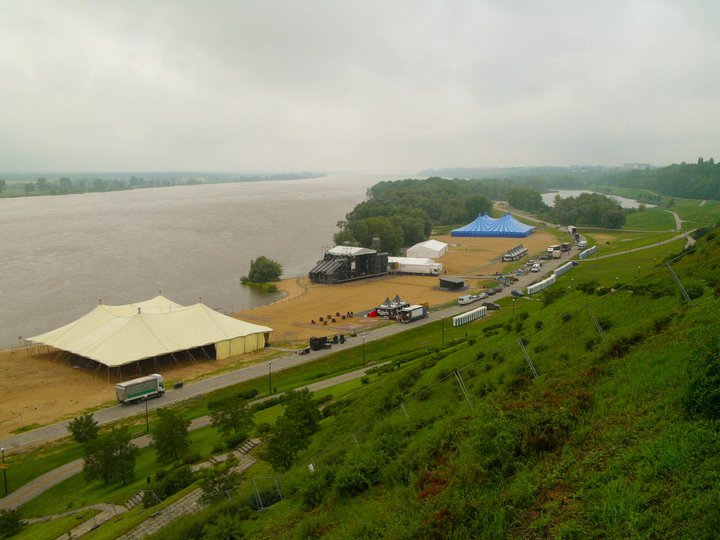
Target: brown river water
62, 254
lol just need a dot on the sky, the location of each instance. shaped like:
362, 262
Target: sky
361, 86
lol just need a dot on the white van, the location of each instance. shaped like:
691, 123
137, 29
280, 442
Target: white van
467, 299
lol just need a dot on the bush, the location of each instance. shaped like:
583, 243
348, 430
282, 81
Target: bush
552, 294
523, 315
703, 395
191, 458
10, 523
359, 473
538, 325
233, 440
313, 490
694, 289
173, 481
365, 380
622, 345
565, 317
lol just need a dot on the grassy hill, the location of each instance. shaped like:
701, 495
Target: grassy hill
617, 436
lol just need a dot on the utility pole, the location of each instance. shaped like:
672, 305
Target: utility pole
4, 468
363, 350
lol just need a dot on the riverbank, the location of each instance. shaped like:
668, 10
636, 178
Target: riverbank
40, 389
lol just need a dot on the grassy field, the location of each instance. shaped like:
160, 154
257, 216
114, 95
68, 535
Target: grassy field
652, 219
616, 241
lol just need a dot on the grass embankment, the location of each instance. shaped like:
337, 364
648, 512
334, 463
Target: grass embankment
599, 445
652, 219
617, 241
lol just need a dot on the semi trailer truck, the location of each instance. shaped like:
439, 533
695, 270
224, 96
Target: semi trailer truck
141, 388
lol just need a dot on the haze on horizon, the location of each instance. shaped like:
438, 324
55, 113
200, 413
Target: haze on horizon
363, 86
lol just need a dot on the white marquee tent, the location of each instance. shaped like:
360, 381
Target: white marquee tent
431, 249
119, 335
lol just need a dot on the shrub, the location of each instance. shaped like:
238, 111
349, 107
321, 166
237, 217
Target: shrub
191, 458
424, 392
10, 523
604, 322
546, 431
234, 440
694, 289
565, 317
591, 343
480, 355
552, 294
703, 395
365, 380
622, 345
538, 325
523, 315
173, 481
358, 474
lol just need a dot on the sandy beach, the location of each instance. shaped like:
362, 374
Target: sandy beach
40, 389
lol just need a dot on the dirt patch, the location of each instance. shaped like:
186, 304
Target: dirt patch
39, 389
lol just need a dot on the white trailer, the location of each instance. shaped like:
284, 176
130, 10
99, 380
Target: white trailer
415, 265
412, 313
141, 388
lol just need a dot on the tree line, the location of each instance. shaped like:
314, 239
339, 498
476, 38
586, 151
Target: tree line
404, 212
699, 180
65, 185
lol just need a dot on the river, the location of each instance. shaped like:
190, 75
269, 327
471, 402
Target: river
62, 254
549, 198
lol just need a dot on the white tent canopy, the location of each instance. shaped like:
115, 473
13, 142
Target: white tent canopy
432, 249
119, 335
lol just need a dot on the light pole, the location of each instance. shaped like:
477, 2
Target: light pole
4, 469
147, 419
572, 283
269, 377
443, 329
513, 303
363, 350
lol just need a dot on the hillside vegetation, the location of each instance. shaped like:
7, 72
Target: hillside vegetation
616, 436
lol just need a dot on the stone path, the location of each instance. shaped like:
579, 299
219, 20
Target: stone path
190, 503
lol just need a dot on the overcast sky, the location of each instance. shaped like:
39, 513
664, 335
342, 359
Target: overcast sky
365, 86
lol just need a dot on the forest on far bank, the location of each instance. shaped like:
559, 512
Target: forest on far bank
404, 212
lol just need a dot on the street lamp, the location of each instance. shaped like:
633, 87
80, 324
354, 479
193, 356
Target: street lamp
443, 329
363, 350
513, 304
572, 284
269, 377
4, 468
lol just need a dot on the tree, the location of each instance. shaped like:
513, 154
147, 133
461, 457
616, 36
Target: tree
220, 482
231, 416
475, 205
301, 407
41, 183
2, 185
292, 430
170, 435
29, 187
285, 441
84, 428
263, 270
111, 457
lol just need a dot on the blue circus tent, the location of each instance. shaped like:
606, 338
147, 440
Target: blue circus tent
504, 227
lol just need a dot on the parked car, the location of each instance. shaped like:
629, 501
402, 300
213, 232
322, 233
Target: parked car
482, 296
491, 305
490, 292
517, 293
544, 257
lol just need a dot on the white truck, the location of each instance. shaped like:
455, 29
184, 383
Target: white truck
141, 388
468, 299
412, 313
581, 244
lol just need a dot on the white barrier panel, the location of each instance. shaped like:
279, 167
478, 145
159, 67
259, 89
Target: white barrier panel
544, 284
585, 254
564, 268
469, 316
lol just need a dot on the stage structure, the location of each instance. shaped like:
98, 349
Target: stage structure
347, 263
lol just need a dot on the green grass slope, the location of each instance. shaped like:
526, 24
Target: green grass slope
616, 438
